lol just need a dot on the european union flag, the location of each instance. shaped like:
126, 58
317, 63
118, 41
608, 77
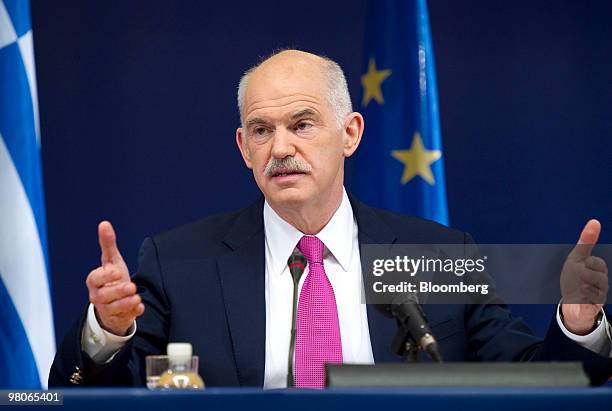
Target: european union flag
399, 165
27, 341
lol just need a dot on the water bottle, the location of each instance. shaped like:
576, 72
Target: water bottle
180, 375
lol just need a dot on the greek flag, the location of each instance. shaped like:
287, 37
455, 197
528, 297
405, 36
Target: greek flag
27, 340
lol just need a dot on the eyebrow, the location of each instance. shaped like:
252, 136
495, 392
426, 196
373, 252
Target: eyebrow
304, 113
256, 120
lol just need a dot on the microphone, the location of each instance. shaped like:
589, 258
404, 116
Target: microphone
297, 264
406, 309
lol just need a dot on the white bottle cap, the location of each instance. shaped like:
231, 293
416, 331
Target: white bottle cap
179, 353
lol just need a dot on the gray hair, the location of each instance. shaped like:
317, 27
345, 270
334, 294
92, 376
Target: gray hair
338, 96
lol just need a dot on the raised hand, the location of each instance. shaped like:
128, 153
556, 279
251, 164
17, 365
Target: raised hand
584, 282
111, 290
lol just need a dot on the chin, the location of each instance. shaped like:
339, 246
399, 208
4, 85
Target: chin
289, 197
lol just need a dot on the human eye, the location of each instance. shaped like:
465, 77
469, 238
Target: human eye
303, 125
260, 132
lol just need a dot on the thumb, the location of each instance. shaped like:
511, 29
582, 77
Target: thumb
108, 243
588, 239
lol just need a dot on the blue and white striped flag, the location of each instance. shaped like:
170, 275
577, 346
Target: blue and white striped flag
27, 340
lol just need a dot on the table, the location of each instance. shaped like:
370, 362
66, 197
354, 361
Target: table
413, 399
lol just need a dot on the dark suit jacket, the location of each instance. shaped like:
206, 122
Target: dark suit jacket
204, 283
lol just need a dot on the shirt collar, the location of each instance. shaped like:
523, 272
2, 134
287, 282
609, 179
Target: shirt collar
337, 235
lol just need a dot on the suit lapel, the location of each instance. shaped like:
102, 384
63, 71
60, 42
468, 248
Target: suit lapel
373, 230
242, 277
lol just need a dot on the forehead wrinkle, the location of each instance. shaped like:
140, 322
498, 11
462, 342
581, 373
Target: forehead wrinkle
310, 104
278, 102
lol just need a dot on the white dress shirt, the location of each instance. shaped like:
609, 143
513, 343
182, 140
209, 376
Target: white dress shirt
342, 264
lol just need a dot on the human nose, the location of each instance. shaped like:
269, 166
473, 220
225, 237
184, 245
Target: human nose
282, 144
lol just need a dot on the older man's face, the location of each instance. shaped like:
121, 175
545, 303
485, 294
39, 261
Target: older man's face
291, 139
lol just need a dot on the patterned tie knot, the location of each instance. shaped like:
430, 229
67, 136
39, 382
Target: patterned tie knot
312, 248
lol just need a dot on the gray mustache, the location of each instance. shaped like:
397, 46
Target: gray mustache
287, 164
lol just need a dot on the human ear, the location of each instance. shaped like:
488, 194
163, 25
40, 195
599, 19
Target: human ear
352, 132
243, 147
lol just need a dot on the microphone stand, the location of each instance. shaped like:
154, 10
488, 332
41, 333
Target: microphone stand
413, 333
297, 264
404, 345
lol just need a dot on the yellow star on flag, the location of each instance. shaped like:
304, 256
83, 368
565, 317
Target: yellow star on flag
417, 160
371, 82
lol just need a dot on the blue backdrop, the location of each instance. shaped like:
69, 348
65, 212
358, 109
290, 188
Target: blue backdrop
137, 104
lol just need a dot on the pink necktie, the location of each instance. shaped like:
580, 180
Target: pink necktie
318, 330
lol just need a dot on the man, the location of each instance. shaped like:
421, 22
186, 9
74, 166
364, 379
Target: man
223, 285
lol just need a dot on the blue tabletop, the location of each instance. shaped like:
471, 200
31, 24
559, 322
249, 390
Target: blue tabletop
413, 399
